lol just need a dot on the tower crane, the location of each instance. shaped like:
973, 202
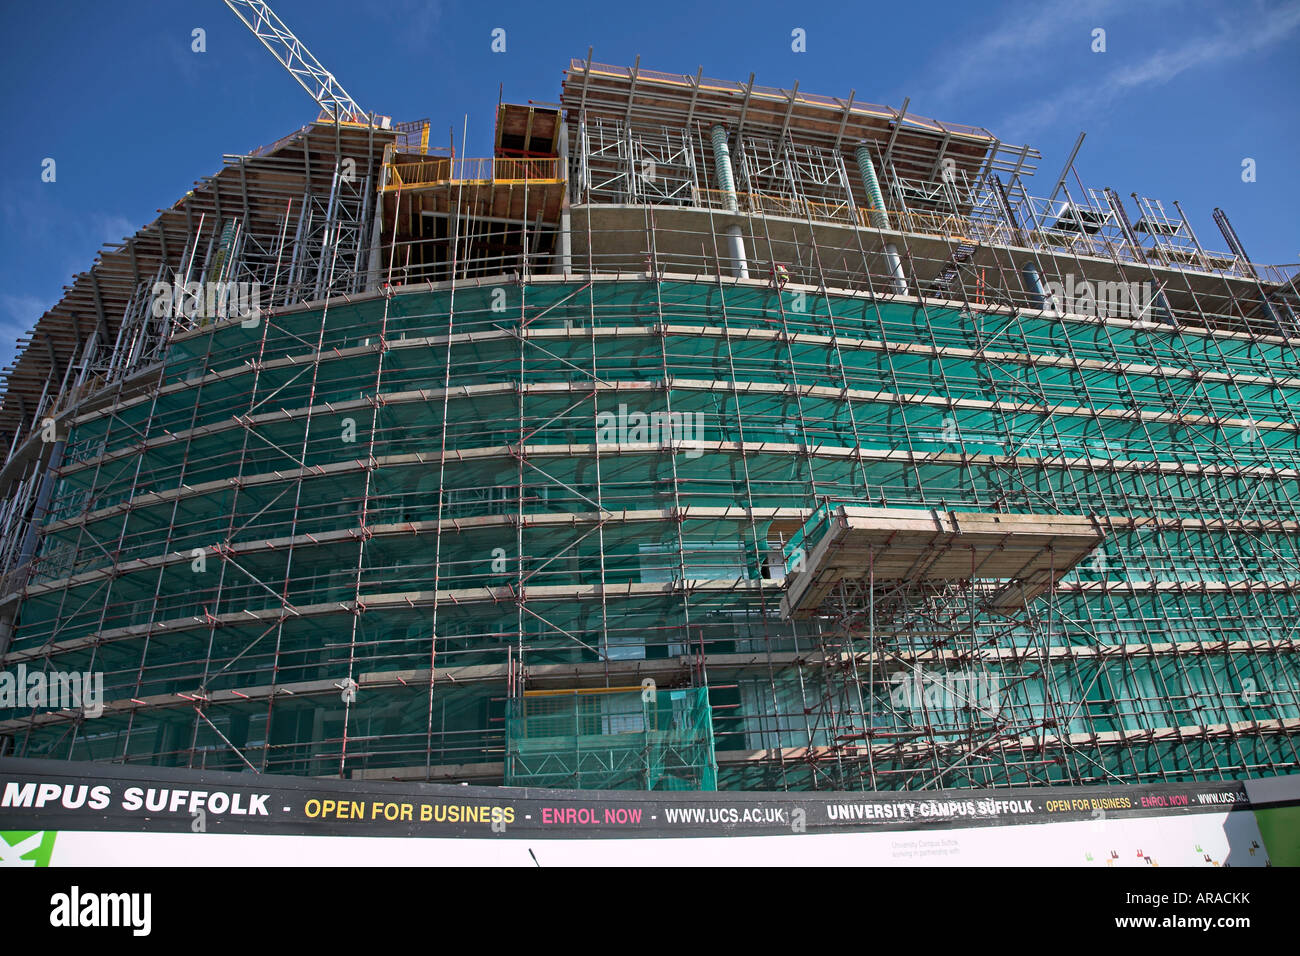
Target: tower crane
302, 65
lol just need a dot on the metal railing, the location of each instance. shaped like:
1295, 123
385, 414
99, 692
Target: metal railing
981, 230
443, 169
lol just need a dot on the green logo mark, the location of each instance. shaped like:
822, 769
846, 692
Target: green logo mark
26, 847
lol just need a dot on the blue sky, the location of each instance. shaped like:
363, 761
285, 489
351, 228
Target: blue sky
1184, 91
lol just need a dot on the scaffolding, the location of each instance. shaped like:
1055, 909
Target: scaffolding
618, 738
519, 432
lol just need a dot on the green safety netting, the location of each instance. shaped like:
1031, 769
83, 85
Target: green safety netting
1042, 405
639, 739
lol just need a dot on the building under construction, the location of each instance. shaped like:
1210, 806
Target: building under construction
704, 436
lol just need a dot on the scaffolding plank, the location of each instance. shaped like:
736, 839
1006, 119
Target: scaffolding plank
1027, 551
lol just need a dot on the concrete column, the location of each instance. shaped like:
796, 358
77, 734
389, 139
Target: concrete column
895, 263
566, 217
1034, 286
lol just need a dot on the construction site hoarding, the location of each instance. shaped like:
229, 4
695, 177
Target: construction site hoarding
95, 815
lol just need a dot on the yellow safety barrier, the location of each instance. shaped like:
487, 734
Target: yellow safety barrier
444, 169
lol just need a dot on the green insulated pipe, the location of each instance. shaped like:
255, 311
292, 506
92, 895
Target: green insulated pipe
727, 185
867, 170
879, 218
722, 163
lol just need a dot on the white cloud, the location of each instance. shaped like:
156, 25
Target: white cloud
105, 228
417, 20
1244, 34
18, 314
1024, 35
